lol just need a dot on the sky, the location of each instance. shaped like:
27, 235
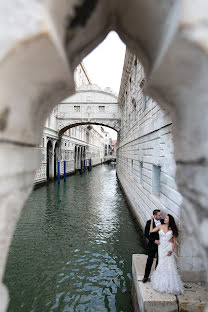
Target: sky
104, 65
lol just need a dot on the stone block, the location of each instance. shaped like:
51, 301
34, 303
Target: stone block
185, 263
172, 207
194, 299
171, 194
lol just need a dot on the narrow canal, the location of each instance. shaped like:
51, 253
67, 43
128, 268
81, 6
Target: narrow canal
72, 247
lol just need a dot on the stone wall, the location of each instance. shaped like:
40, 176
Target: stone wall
146, 166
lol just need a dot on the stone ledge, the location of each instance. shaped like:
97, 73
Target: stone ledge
195, 298
145, 299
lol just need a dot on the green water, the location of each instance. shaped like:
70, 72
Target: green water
72, 247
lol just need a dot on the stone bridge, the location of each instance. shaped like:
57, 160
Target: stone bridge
89, 105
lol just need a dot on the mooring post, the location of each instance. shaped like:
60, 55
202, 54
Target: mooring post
58, 172
90, 164
64, 170
84, 165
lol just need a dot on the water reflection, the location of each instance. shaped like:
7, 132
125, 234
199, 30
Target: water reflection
72, 248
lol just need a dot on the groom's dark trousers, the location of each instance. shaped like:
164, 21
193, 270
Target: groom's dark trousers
152, 248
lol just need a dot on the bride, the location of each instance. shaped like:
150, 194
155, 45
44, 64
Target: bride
165, 278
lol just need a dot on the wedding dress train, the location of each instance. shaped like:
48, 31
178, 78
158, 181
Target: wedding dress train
165, 278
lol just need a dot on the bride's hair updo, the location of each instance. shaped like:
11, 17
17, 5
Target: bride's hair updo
173, 225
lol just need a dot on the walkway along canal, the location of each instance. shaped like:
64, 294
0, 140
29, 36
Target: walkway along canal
73, 246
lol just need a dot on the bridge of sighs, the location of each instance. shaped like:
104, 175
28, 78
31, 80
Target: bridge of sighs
89, 105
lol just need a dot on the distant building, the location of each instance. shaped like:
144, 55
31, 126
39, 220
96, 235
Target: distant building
107, 142
76, 145
114, 147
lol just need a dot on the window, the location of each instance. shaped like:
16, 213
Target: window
140, 171
76, 109
156, 171
43, 142
132, 166
134, 109
101, 109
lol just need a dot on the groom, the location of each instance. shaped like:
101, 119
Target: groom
153, 243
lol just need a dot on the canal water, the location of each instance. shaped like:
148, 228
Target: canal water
73, 246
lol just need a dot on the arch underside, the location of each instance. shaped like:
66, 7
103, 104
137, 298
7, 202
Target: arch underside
72, 124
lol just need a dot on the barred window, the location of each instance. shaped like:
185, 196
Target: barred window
101, 109
140, 171
156, 172
76, 109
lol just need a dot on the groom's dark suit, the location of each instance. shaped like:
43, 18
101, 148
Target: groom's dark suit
152, 248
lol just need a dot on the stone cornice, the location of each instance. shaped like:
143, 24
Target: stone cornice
128, 62
94, 91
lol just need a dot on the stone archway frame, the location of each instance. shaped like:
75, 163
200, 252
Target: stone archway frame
37, 61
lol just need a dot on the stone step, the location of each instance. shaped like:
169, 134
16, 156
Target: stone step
146, 299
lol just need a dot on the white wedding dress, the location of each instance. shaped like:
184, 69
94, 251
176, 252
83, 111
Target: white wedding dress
165, 278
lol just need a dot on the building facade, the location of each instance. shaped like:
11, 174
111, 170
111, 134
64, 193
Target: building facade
78, 146
107, 142
114, 147
145, 161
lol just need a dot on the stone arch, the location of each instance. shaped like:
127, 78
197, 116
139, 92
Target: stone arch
115, 127
78, 157
172, 47
75, 156
81, 152
56, 158
49, 157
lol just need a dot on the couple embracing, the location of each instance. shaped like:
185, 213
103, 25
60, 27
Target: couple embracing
162, 235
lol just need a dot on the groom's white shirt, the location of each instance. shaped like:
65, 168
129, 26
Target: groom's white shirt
157, 222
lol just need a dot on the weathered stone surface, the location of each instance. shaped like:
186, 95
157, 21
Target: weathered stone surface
16, 177
195, 298
31, 81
